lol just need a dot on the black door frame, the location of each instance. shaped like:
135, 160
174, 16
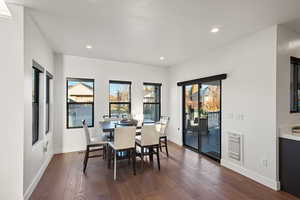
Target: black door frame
199, 82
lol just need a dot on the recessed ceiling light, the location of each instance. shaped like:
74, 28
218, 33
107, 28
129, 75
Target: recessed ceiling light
161, 58
88, 46
214, 30
4, 12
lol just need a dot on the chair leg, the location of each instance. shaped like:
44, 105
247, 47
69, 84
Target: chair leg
104, 152
158, 159
160, 145
129, 156
142, 156
86, 157
166, 145
110, 135
115, 164
109, 157
133, 161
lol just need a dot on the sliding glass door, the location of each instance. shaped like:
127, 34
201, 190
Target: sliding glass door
210, 119
202, 117
191, 116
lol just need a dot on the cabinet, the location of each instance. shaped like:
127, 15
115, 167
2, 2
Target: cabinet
289, 166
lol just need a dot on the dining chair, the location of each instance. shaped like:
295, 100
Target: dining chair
124, 140
93, 144
139, 126
105, 117
108, 135
148, 142
161, 127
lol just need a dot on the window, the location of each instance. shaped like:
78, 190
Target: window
152, 96
48, 78
80, 102
36, 70
119, 98
295, 84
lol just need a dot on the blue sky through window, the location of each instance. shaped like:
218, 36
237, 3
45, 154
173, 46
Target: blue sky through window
115, 88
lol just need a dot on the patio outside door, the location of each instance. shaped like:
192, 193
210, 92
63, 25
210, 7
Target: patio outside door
202, 118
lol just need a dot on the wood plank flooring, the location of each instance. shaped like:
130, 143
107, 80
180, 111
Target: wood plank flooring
185, 175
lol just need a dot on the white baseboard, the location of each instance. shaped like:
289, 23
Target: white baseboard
273, 184
37, 178
69, 150
174, 141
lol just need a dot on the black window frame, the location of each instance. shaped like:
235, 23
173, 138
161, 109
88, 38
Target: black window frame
295, 85
128, 103
68, 103
159, 85
37, 70
49, 77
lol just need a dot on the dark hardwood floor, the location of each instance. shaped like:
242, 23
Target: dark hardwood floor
184, 175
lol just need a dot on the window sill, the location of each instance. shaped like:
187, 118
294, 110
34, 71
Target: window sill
79, 127
294, 112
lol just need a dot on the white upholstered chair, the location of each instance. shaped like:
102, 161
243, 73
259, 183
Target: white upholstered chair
93, 144
161, 127
139, 126
148, 142
124, 140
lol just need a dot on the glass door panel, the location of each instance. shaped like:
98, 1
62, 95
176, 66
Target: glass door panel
210, 119
191, 116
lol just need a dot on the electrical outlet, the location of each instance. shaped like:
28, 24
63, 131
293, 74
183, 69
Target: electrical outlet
265, 163
242, 117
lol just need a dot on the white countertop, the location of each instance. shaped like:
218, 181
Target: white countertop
290, 136
286, 132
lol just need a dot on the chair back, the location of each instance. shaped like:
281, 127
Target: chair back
162, 125
105, 117
164, 119
140, 123
149, 135
124, 137
86, 132
100, 129
134, 122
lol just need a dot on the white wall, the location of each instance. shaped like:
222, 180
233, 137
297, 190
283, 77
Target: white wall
35, 159
249, 90
11, 105
102, 71
288, 45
